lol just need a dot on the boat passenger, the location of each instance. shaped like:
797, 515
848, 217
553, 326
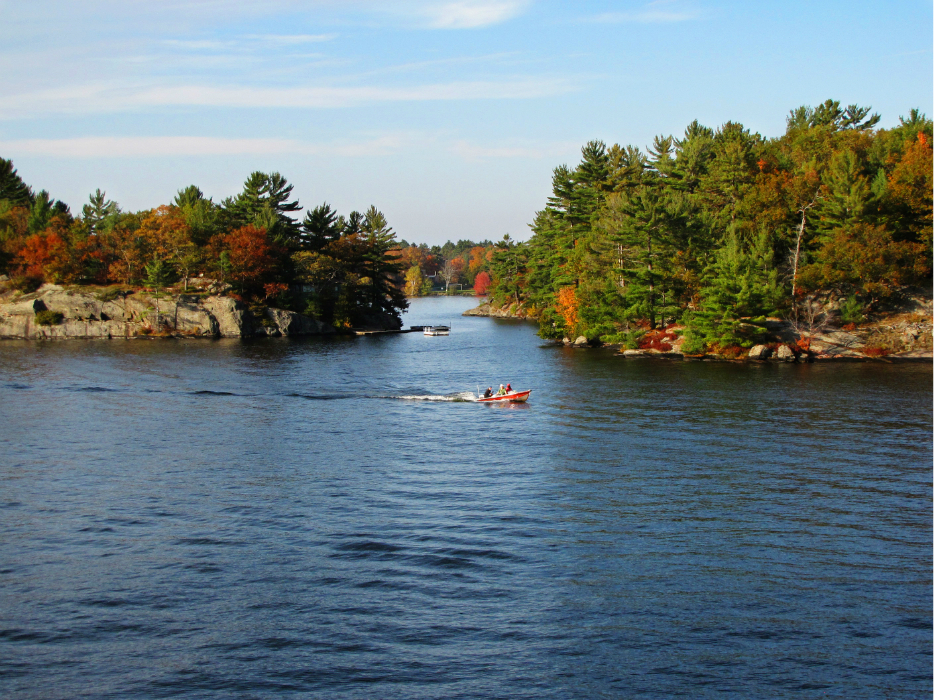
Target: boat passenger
488, 393
509, 388
502, 390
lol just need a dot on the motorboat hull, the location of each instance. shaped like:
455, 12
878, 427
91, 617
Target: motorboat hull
511, 397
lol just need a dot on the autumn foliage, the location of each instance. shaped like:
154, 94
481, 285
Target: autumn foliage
568, 307
251, 257
482, 283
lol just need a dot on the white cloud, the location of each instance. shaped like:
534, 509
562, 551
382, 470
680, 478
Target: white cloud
248, 41
471, 14
109, 98
474, 152
195, 146
659, 12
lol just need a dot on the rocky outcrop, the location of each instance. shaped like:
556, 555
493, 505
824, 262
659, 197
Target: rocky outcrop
760, 352
84, 313
493, 311
290, 323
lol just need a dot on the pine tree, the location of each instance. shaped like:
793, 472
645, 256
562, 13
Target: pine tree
739, 284
99, 210
320, 227
12, 187
264, 202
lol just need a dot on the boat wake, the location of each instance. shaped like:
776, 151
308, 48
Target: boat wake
460, 396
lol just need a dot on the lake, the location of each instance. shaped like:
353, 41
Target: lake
329, 518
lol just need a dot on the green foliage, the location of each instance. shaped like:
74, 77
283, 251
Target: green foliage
12, 187
99, 211
49, 318
27, 284
739, 284
158, 274
264, 203
851, 310
722, 226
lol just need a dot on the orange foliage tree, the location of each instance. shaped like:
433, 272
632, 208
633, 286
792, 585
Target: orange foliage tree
910, 187
39, 256
867, 256
251, 256
567, 307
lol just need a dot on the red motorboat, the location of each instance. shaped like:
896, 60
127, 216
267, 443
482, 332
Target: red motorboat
510, 397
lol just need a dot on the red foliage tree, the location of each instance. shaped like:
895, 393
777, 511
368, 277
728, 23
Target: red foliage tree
252, 257
40, 255
482, 283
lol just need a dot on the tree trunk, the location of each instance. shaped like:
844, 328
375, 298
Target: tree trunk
651, 286
794, 277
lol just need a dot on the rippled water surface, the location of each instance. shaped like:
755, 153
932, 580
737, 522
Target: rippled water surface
225, 519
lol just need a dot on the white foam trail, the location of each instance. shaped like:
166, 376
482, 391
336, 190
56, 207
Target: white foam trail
459, 396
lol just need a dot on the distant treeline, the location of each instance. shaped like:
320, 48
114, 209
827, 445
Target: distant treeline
463, 265
342, 270
722, 227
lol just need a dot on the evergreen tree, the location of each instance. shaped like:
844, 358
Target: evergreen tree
12, 187
740, 283
99, 210
204, 218
320, 227
264, 202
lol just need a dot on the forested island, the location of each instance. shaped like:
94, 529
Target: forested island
713, 237
718, 241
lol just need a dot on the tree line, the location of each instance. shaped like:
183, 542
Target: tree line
720, 228
464, 264
344, 270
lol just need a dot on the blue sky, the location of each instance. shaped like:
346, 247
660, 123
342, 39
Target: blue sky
447, 115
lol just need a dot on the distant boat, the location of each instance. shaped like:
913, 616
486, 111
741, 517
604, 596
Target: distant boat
510, 397
437, 330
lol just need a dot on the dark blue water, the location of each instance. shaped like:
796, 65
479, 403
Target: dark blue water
269, 519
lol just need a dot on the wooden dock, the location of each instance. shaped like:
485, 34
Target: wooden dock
410, 329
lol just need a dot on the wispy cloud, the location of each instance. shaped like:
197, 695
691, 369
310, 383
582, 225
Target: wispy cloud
659, 12
88, 147
472, 14
129, 147
248, 42
476, 152
103, 98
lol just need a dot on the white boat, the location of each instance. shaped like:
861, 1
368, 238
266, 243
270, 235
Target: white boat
437, 330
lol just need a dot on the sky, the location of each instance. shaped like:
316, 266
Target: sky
448, 115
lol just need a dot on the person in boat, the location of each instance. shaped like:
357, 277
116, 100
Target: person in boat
502, 390
509, 388
488, 393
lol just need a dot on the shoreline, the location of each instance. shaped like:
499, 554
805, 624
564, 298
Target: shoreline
786, 343
54, 312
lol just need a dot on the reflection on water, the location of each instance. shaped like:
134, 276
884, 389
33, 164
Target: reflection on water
308, 517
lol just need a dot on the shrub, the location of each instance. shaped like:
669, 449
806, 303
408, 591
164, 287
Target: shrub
730, 352
27, 284
657, 340
110, 293
631, 341
851, 311
49, 318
